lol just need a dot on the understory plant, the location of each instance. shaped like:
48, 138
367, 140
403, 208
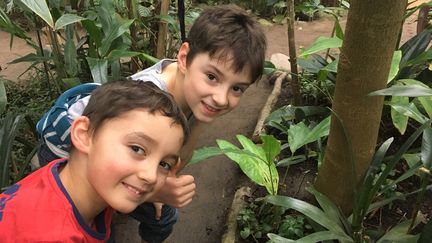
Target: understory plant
331, 224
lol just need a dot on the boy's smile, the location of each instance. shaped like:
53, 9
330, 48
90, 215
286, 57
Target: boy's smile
211, 88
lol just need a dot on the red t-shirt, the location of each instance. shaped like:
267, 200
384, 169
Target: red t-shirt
39, 209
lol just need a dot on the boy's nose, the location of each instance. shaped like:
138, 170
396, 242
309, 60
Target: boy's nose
221, 98
148, 172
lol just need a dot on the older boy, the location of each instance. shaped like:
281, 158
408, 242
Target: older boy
223, 55
125, 145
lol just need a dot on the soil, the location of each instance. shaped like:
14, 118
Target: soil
217, 179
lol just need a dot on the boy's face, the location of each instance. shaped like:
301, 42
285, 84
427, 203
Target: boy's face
130, 157
211, 87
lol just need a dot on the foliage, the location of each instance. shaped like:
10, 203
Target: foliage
261, 218
298, 127
257, 162
352, 229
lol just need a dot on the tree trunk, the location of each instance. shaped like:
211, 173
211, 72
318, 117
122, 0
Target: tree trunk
163, 30
370, 37
293, 54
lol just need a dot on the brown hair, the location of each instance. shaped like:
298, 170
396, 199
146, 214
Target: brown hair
228, 30
112, 99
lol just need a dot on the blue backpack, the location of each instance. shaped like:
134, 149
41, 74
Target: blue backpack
54, 126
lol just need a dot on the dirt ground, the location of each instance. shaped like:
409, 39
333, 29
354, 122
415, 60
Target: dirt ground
217, 179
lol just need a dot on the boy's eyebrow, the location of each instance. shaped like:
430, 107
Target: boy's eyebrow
219, 73
154, 142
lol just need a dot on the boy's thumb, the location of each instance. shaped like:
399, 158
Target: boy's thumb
158, 210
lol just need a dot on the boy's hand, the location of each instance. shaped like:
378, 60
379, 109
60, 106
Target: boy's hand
177, 191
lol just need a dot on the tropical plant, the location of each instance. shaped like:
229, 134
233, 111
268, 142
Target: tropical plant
257, 162
334, 225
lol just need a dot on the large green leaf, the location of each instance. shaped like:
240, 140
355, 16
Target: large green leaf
409, 110
271, 147
329, 208
248, 164
3, 97
394, 68
99, 69
67, 19
407, 90
116, 54
117, 30
70, 54
299, 134
322, 43
313, 212
399, 234
40, 8
8, 130
312, 238
426, 148
204, 153
251, 147
400, 120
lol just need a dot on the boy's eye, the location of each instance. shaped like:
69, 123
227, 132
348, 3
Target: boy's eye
238, 89
137, 149
165, 165
211, 77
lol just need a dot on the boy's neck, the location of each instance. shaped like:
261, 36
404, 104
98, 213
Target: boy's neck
82, 194
174, 78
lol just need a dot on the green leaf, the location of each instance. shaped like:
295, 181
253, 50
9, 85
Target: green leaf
94, 32
332, 67
411, 159
67, 19
394, 68
409, 110
300, 135
312, 238
307, 209
421, 59
31, 57
203, 154
70, 54
99, 69
8, 130
271, 147
399, 234
117, 30
40, 8
251, 147
407, 90
322, 43
426, 148
3, 97
329, 208
115, 55
400, 121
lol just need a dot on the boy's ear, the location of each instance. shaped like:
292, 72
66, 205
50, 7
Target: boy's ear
80, 135
181, 56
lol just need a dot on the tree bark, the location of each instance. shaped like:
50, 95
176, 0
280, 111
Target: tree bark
370, 37
293, 54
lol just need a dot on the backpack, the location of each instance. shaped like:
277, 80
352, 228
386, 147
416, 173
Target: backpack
54, 126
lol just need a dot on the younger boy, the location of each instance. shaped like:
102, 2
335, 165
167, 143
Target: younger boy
125, 144
223, 55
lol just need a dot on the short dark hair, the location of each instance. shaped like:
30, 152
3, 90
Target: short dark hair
229, 30
114, 98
